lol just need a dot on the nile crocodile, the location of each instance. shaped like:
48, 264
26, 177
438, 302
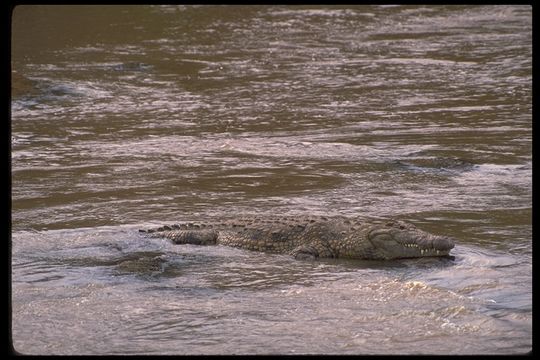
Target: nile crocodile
312, 237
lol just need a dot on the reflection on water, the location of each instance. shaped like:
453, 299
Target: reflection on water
128, 116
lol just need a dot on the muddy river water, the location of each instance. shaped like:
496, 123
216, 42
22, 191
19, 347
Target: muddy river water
125, 117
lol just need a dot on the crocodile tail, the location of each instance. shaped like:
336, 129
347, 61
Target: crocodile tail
180, 236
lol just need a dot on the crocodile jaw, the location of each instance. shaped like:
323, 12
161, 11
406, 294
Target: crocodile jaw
394, 242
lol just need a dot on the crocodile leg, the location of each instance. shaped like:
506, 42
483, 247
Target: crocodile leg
311, 251
305, 252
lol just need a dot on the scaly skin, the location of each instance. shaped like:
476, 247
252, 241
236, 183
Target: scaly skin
313, 237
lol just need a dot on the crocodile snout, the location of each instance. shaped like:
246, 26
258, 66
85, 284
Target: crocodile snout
443, 243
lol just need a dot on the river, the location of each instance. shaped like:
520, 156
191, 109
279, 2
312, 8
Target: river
128, 117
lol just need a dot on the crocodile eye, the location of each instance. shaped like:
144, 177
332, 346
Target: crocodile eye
401, 227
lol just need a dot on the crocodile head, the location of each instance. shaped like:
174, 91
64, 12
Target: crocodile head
397, 239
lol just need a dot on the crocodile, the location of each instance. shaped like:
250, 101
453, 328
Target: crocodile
311, 237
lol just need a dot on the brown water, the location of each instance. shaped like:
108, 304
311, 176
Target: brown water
126, 117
